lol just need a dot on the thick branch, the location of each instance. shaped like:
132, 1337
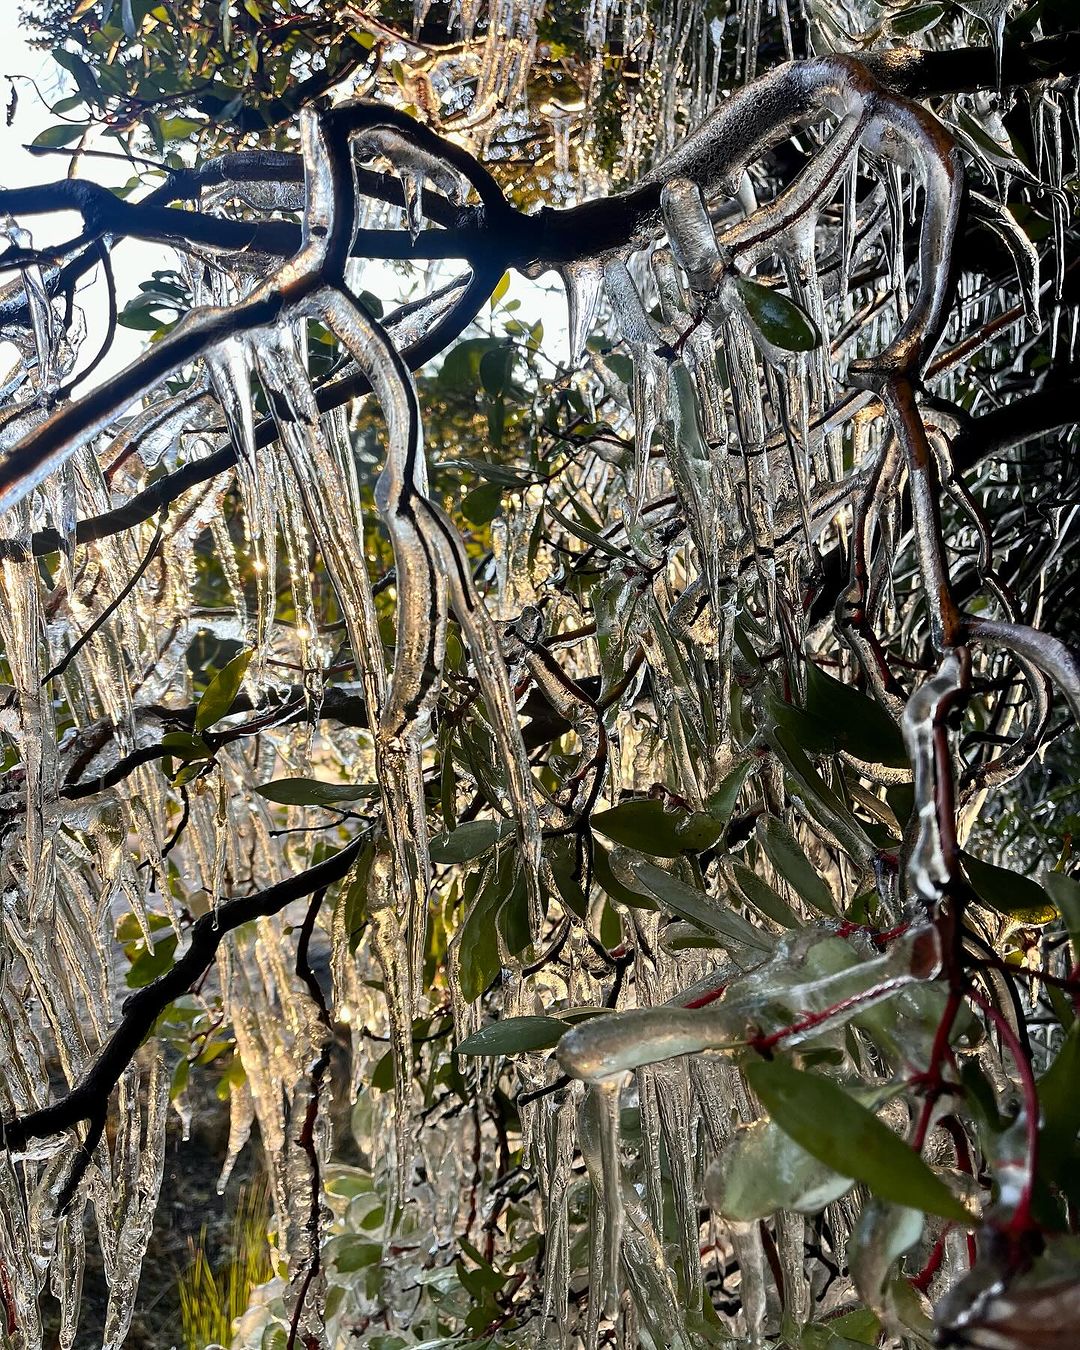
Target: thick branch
921, 74
168, 488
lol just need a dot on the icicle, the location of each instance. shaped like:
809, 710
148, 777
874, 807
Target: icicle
412, 187
649, 372
232, 368
146, 1166
422, 534
691, 232
388, 944
992, 15
241, 1119
559, 1150
583, 282
603, 1100
753, 1278
928, 870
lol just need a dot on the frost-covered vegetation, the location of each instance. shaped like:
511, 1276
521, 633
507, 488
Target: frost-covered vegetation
632, 773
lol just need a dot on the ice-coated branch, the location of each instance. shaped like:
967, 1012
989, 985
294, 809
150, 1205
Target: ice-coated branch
145, 1006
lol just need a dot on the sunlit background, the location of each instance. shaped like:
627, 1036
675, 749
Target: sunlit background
38, 83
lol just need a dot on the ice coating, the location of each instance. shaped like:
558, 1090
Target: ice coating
750, 457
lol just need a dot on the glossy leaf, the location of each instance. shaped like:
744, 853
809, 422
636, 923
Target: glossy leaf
470, 840
312, 792
820, 1116
786, 855
221, 692
1008, 892
512, 1035
762, 1170
700, 909
646, 825
779, 320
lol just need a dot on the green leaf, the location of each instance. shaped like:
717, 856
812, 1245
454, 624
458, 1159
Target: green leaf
784, 852
699, 831
150, 963
1060, 1107
478, 950
460, 371
916, 20
129, 929
492, 472
779, 320
840, 1132
189, 772
180, 1077
353, 895
822, 802
183, 745
482, 504
1008, 892
62, 134
646, 825
513, 917
856, 722
470, 840
495, 370
762, 1169
609, 882
312, 792
512, 1035
700, 909
181, 128
141, 317
1065, 893
762, 896
79, 70
352, 1253
221, 692
722, 802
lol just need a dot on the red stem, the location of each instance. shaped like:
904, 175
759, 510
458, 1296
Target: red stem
1021, 1221
931, 1080
763, 1044
921, 1282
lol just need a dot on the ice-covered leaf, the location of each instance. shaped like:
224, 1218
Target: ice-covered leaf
789, 859
842, 1133
512, 1035
916, 20
221, 692
780, 320
884, 1233
313, 792
710, 915
647, 825
351, 1253
470, 840
762, 1170
857, 723
762, 896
